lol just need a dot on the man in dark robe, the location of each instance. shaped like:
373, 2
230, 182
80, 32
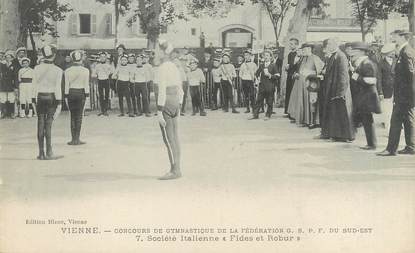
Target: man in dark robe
290, 68
337, 121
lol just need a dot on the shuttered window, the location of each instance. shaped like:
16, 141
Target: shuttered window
85, 23
73, 24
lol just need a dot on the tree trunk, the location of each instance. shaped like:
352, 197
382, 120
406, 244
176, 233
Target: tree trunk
296, 29
32, 41
9, 24
411, 19
117, 21
154, 27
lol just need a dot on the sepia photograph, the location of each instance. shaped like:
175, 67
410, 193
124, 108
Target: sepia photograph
207, 126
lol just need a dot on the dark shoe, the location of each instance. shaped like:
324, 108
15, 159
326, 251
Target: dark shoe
131, 115
80, 143
406, 151
203, 114
286, 116
121, 115
12, 116
312, 126
148, 115
254, 117
267, 118
155, 114
139, 115
193, 113
248, 111
72, 142
386, 153
106, 114
182, 114
214, 109
100, 114
235, 111
368, 148
171, 175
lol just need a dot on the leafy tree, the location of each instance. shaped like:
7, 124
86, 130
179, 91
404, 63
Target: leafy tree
277, 11
406, 8
39, 16
368, 12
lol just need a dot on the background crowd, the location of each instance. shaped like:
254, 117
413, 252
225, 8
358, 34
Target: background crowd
336, 87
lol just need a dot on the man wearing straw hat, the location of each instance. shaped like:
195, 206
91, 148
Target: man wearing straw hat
47, 80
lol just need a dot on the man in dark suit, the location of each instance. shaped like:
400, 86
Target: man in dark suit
368, 89
290, 68
404, 97
267, 74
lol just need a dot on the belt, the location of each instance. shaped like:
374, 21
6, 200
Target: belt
26, 80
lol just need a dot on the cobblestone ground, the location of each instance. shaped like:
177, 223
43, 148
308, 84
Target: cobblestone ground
237, 173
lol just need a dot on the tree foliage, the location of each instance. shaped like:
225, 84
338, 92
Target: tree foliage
368, 12
39, 16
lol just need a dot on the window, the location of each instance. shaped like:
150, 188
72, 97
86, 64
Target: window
84, 23
193, 31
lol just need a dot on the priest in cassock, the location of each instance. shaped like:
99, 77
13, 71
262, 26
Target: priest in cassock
337, 121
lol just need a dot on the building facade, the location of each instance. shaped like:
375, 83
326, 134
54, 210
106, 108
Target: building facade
91, 25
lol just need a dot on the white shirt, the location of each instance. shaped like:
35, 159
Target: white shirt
228, 71
195, 77
139, 75
150, 71
47, 78
103, 71
77, 77
122, 73
168, 75
25, 73
247, 71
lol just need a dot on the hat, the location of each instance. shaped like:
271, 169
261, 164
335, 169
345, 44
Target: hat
388, 48
248, 51
124, 56
307, 45
131, 55
218, 50
102, 52
348, 44
313, 83
401, 32
76, 56
193, 60
120, 46
25, 59
217, 59
9, 52
140, 55
360, 46
48, 51
226, 54
20, 49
